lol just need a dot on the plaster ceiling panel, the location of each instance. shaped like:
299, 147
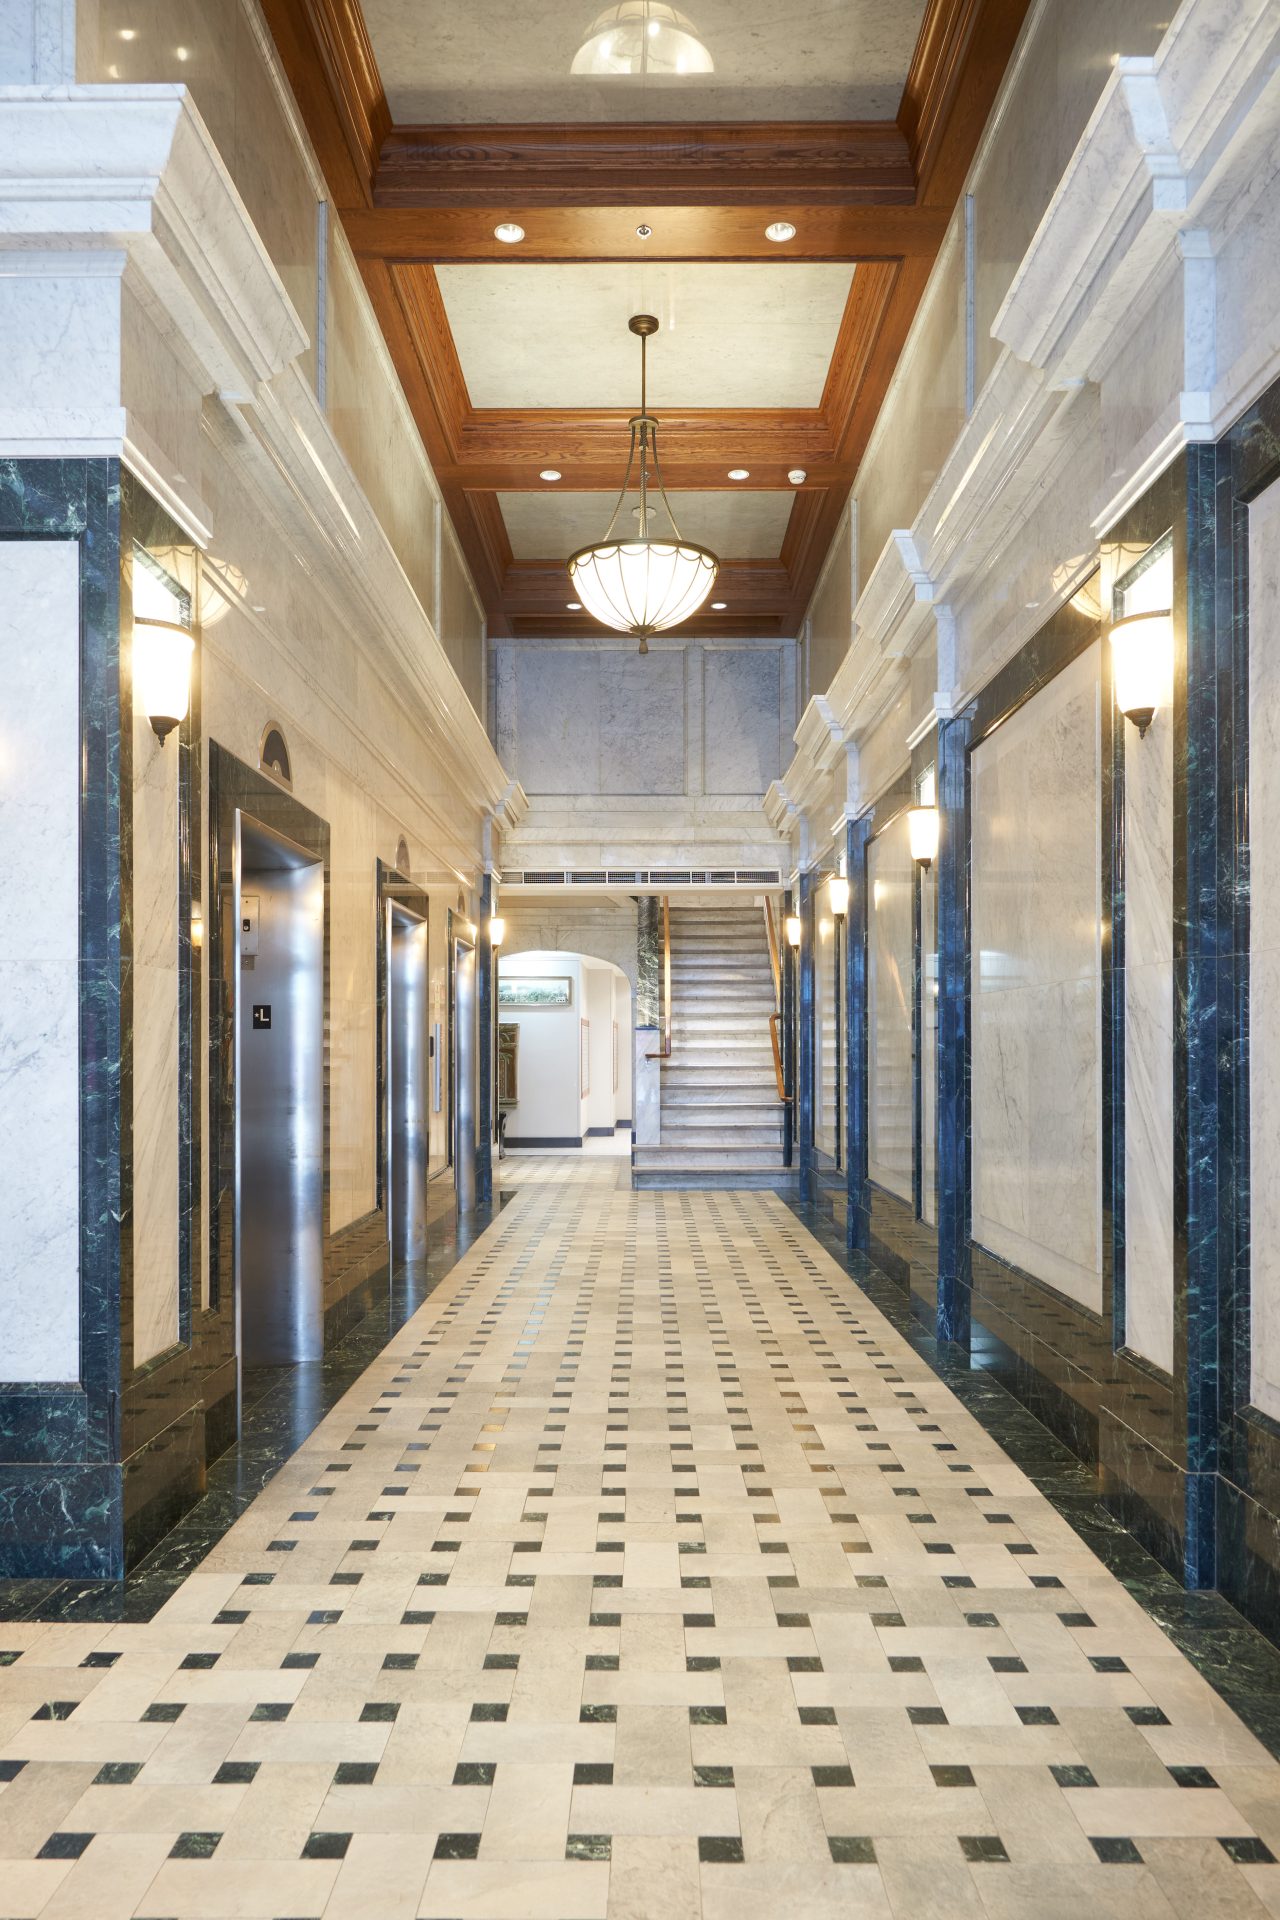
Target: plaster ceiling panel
482, 61
738, 526
731, 336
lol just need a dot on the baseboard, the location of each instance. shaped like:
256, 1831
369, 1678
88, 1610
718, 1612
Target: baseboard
514, 1142
599, 1133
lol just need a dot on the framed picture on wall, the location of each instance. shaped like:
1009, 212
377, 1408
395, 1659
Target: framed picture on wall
584, 1031
528, 991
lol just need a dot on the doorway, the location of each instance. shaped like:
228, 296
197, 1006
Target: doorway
408, 1047
279, 1027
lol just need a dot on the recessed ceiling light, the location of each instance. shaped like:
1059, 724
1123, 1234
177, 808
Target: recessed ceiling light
643, 231
549, 473
574, 606
739, 473
780, 231
718, 606
508, 232
797, 476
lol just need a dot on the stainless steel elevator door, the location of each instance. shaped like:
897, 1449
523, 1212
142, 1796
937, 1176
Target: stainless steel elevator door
407, 1092
279, 1099
465, 1066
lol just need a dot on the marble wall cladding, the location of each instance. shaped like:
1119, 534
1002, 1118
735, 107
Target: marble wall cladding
706, 723
1036, 981
830, 623
1149, 1030
155, 1043
1264, 942
741, 718
827, 989
890, 993
367, 410
461, 622
929, 1045
39, 956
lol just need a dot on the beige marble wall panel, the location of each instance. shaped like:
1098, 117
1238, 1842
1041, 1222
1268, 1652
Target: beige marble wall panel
461, 629
831, 614
1068, 54
742, 699
890, 994
155, 1043
924, 411
367, 411
1036, 986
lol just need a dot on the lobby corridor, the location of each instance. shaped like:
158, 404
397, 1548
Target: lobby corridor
648, 1572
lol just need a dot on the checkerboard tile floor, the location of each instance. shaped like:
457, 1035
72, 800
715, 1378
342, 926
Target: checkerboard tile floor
647, 1575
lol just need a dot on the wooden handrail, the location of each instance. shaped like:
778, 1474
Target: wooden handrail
664, 1049
775, 1025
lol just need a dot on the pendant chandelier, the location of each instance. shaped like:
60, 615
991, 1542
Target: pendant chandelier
642, 37
654, 580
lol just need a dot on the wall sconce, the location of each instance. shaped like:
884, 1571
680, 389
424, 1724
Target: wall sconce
197, 927
922, 831
838, 895
793, 929
1141, 654
497, 931
162, 653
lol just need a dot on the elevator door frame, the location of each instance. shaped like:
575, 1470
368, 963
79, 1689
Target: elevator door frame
305, 1312
404, 920
464, 1033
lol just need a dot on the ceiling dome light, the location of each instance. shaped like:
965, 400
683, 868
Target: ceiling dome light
739, 473
654, 580
780, 231
509, 232
797, 476
718, 606
638, 37
550, 473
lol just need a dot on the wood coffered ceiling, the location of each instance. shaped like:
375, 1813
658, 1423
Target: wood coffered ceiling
877, 195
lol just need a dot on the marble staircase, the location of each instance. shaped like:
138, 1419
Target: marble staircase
722, 1121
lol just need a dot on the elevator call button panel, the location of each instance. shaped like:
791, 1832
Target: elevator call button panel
249, 924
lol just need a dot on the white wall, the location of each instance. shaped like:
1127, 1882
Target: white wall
550, 1103
598, 1109
624, 1021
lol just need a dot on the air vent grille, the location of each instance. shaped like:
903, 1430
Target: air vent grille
655, 877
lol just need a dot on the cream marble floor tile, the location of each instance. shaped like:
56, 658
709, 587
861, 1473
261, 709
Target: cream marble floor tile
735, 1620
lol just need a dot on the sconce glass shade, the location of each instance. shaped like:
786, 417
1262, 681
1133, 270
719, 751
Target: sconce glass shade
922, 832
1141, 659
793, 929
162, 653
642, 37
838, 895
497, 931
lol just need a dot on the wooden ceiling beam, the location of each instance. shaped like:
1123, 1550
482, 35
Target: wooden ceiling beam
609, 164
328, 58
562, 235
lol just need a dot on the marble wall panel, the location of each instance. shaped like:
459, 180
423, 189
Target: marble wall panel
924, 411
1036, 982
461, 624
39, 959
1067, 58
827, 989
1149, 1018
369, 417
890, 966
929, 1045
155, 1034
1264, 942
831, 613
573, 721
742, 697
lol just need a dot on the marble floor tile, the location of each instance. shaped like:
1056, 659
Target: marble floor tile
646, 1574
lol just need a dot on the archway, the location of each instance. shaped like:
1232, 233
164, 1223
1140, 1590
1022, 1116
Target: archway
565, 1043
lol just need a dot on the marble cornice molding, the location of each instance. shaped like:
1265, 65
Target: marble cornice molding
133, 171
1173, 142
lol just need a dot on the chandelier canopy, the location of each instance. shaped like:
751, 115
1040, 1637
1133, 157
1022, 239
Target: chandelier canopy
655, 579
